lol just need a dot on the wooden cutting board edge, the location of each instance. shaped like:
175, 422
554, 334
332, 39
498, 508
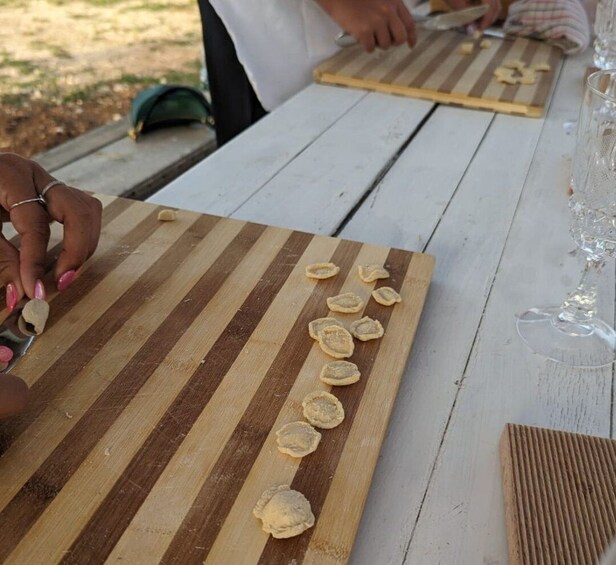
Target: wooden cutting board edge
434, 95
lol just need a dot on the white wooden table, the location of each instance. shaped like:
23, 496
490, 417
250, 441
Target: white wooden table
486, 195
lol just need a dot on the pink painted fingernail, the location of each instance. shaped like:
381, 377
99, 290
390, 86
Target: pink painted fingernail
65, 280
6, 354
39, 290
11, 297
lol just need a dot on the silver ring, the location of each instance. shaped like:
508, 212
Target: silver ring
50, 185
38, 199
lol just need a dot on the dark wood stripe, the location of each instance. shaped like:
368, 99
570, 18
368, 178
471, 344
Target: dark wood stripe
487, 76
52, 381
196, 535
511, 90
312, 479
112, 210
38, 492
396, 71
434, 63
345, 57
373, 62
541, 96
127, 495
460, 69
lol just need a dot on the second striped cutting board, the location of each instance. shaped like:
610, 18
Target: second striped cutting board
435, 70
162, 378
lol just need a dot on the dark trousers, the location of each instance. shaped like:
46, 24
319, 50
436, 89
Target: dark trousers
234, 102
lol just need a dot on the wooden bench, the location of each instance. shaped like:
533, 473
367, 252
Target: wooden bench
107, 161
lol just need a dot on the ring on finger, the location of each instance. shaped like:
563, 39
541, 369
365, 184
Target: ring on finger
48, 186
39, 199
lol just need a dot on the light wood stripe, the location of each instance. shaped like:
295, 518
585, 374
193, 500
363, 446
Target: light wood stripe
436, 71
159, 386
345, 56
271, 467
439, 57
29, 503
424, 55
409, 62
560, 499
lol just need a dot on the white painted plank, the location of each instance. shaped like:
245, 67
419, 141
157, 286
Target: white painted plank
462, 518
467, 245
129, 168
320, 187
406, 206
221, 183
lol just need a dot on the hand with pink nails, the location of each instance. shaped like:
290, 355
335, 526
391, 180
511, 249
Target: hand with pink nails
23, 268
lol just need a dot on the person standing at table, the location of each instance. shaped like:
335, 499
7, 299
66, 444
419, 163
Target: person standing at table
261, 52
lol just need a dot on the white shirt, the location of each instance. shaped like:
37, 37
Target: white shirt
278, 42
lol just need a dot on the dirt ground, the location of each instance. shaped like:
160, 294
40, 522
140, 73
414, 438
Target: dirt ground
68, 66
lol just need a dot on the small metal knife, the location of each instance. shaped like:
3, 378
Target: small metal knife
442, 22
13, 338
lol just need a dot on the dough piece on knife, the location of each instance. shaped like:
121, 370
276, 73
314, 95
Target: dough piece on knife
322, 270
323, 410
297, 439
167, 215
316, 326
33, 317
366, 329
340, 373
370, 273
347, 303
284, 513
386, 296
336, 341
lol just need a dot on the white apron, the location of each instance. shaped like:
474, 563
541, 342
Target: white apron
278, 42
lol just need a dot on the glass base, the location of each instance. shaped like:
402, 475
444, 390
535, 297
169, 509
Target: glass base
589, 345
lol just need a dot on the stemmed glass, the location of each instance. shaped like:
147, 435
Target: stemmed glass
572, 333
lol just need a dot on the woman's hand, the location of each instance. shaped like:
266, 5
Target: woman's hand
374, 23
22, 270
488, 19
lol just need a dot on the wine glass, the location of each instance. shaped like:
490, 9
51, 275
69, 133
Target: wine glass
572, 333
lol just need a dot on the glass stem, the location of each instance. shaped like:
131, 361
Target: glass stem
580, 306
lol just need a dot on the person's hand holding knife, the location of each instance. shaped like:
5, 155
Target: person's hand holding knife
385, 23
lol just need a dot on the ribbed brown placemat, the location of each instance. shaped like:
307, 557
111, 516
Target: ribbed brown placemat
560, 495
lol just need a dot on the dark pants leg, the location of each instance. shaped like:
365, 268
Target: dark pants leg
234, 102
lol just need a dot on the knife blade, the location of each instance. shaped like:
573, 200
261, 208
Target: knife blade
442, 22
13, 338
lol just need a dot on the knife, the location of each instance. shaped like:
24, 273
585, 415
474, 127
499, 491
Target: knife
12, 337
442, 22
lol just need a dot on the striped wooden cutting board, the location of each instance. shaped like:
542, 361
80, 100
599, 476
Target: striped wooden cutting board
161, 379
435, 70
560, 495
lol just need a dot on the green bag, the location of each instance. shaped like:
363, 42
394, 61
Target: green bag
166, 105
